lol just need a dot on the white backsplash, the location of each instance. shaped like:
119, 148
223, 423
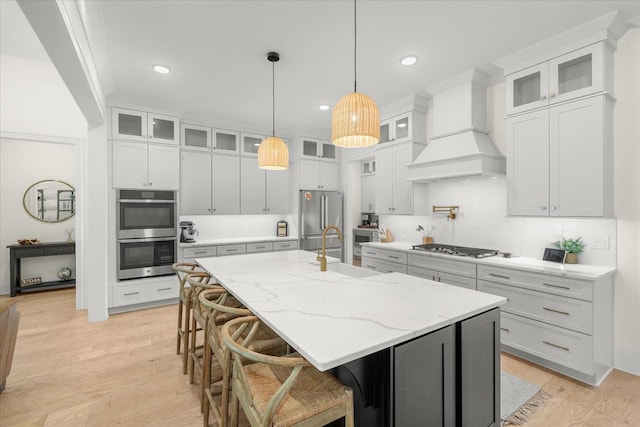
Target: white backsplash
482, 222
224, 226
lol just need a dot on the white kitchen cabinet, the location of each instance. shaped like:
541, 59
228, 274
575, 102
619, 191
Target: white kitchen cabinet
394, 195
575, 74
210, 184
406, 127
143, 126
145, 166
128, 292
250, 143
263, 191
195, 137
311, 148
559, 160
319, 175
445, 270
225, 141
562, 323
368, 194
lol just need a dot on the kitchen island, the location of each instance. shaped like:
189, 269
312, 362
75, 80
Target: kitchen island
414, 350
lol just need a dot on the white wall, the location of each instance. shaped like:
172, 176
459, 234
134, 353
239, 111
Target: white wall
34, 101
627, 201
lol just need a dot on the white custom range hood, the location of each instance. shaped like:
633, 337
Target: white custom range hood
461, 145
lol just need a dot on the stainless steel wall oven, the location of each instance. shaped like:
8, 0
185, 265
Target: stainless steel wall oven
146, 233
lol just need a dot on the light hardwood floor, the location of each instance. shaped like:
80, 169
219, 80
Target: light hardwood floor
124, 371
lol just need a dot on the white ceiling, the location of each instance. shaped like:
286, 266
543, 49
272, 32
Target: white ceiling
217, 50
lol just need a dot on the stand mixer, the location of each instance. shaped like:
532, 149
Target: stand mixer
188, 232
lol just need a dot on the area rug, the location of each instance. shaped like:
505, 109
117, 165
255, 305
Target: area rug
519, 399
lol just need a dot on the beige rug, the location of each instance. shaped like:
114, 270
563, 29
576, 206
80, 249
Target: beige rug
519, 399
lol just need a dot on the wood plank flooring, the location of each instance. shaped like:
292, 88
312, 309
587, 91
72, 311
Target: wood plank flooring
124, 371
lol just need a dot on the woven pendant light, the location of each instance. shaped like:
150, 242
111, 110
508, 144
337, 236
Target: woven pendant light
273, 153
355, 121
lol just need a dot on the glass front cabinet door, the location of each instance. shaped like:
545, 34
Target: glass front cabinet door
250, 144
162, 128
129, 124
197, 138
575, 74
227, 141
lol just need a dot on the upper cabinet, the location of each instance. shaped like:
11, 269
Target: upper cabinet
145, 166
311, 148
250, 143
569, 76
409, 126
200, 138
263, 191
141, 126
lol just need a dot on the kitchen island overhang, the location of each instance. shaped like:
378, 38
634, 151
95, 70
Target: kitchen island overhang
414, 351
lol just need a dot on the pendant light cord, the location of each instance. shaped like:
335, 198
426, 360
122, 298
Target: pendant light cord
273, 99
355, 47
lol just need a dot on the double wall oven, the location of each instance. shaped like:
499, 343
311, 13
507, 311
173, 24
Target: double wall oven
146, 233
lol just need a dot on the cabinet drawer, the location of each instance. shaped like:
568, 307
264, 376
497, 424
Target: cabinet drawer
27, 252
567, 287
568, 348
231, 250
145, 292
286, 245
457, 280
425, 273
568, 313
385, 255
461, 268
61, 250
259, 247
383, 266
200, 252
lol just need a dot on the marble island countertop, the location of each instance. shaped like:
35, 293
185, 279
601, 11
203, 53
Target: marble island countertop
235, 240
345, 313
578, 271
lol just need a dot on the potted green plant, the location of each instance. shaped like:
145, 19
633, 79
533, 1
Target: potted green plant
573, 248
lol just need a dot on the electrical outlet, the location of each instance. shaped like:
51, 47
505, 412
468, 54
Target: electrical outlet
600, 242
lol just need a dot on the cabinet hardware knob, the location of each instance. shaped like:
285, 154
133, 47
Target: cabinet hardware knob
556, 345
543, 208
543, 97
556, 311
556, 286
553, 208
552, 94
150, 184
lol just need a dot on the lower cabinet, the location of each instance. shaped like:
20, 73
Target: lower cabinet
449, 377
142, 291
562, 323
451, 272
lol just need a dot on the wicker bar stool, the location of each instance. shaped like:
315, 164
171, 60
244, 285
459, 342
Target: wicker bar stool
184, 309
222, 308
281, 391
198, 282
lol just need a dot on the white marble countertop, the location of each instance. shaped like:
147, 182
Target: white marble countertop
332, 318
236, 240
577, 271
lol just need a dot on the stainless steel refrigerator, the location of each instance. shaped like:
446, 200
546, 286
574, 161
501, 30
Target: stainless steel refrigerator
319, 209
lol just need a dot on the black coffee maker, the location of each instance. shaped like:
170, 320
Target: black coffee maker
188, 232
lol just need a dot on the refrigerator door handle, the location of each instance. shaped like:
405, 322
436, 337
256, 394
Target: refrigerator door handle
323, 202
326, 211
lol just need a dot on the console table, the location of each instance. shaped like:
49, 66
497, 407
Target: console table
17, 252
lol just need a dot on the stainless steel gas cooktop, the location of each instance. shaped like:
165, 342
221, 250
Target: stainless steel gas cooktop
455, 250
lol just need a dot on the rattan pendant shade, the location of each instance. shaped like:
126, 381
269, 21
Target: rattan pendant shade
273, 153
355, 121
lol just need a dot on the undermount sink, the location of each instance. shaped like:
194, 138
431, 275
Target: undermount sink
350, 270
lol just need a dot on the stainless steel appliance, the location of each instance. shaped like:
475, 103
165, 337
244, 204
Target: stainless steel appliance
145, 257
455, 250
319, 209
360, 236
146, 214
146, 233
188, 232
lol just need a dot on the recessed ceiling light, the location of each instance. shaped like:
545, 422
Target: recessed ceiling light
162, 69
409, 60
324, 107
